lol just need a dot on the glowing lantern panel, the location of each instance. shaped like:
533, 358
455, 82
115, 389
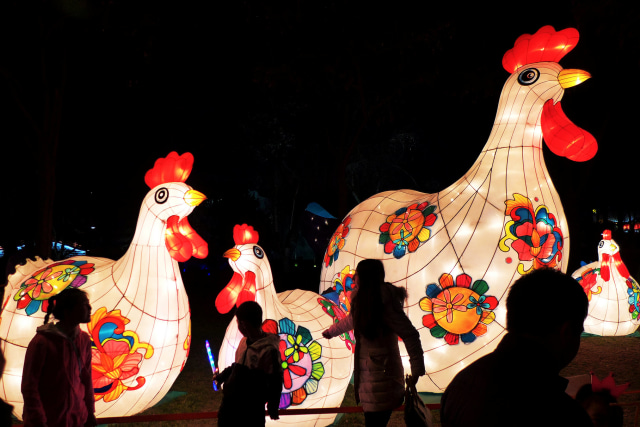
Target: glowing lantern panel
614, 296
316, 371
140, 326
457, 251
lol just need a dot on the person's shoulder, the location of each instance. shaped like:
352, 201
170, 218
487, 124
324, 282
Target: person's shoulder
270, 340
393, 293
83, 338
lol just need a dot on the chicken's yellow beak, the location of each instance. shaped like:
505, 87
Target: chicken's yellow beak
194, 198
233, 254
572, 77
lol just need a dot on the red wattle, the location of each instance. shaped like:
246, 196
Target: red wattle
605, 267
182, 241
227, 297
179, 246
200, 247
565, 138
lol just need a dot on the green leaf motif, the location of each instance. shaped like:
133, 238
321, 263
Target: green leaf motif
480, 287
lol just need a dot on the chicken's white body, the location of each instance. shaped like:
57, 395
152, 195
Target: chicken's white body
303, 309
472, 235
613, 294
142, 293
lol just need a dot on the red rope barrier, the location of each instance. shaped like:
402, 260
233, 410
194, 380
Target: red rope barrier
214, 414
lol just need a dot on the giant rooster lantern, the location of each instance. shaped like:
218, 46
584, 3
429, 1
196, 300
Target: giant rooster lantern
457, 251
614, 296
140, 325
316, 370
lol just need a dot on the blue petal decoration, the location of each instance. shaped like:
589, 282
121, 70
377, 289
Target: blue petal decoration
433, 290
468, 338
33, 306
287, 326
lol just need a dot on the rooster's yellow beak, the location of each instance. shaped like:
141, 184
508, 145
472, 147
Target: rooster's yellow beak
194, 198
572, 77
233, 254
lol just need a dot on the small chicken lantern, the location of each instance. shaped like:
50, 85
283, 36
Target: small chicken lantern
140, 326
614, 296
456, 252
316, 370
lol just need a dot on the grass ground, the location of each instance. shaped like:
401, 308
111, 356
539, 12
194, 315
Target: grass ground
600, 355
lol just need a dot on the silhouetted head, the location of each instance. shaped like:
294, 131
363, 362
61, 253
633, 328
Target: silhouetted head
370, 273
71, 305
556, 320
249, 317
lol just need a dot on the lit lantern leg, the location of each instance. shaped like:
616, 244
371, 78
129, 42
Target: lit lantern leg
212, 363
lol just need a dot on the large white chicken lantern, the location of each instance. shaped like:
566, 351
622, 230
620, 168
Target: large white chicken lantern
316, 370
457, 251
614, 296
140, 325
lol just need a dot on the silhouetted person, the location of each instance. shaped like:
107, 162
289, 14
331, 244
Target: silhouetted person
255, 379
56, 380
5, 409
377, 318
518, 384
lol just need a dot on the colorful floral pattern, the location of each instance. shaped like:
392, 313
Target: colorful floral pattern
300, 361
588, 280
458, 311
114, 354
337, 242
336, 301
34, 293
535, 234
407, 228
633, 290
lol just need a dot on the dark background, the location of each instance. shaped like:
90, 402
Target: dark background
284, 103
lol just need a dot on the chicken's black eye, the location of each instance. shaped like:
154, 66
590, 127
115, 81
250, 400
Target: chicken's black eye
601, 244
528, 76
257, 251
162, 195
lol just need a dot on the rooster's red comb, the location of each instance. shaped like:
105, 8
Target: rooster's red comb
243, 234
173, 168
546, 45
606, 235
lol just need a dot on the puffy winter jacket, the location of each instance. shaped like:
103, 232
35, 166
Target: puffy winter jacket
379, 375
56, 381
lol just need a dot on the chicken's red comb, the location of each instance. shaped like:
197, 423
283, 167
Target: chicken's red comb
546, 45
173, 168
606, 235
243, 234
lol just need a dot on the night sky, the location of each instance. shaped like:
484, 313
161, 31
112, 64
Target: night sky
286, 103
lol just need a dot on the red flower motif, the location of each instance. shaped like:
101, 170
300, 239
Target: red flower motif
407, 228
289, 367
113, 365
337, 242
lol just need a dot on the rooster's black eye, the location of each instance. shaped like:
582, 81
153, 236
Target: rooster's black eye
257, 251
528, 76
601, 244
162, 195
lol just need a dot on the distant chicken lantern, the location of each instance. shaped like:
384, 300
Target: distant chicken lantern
614, 296
140, 326
457, 252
